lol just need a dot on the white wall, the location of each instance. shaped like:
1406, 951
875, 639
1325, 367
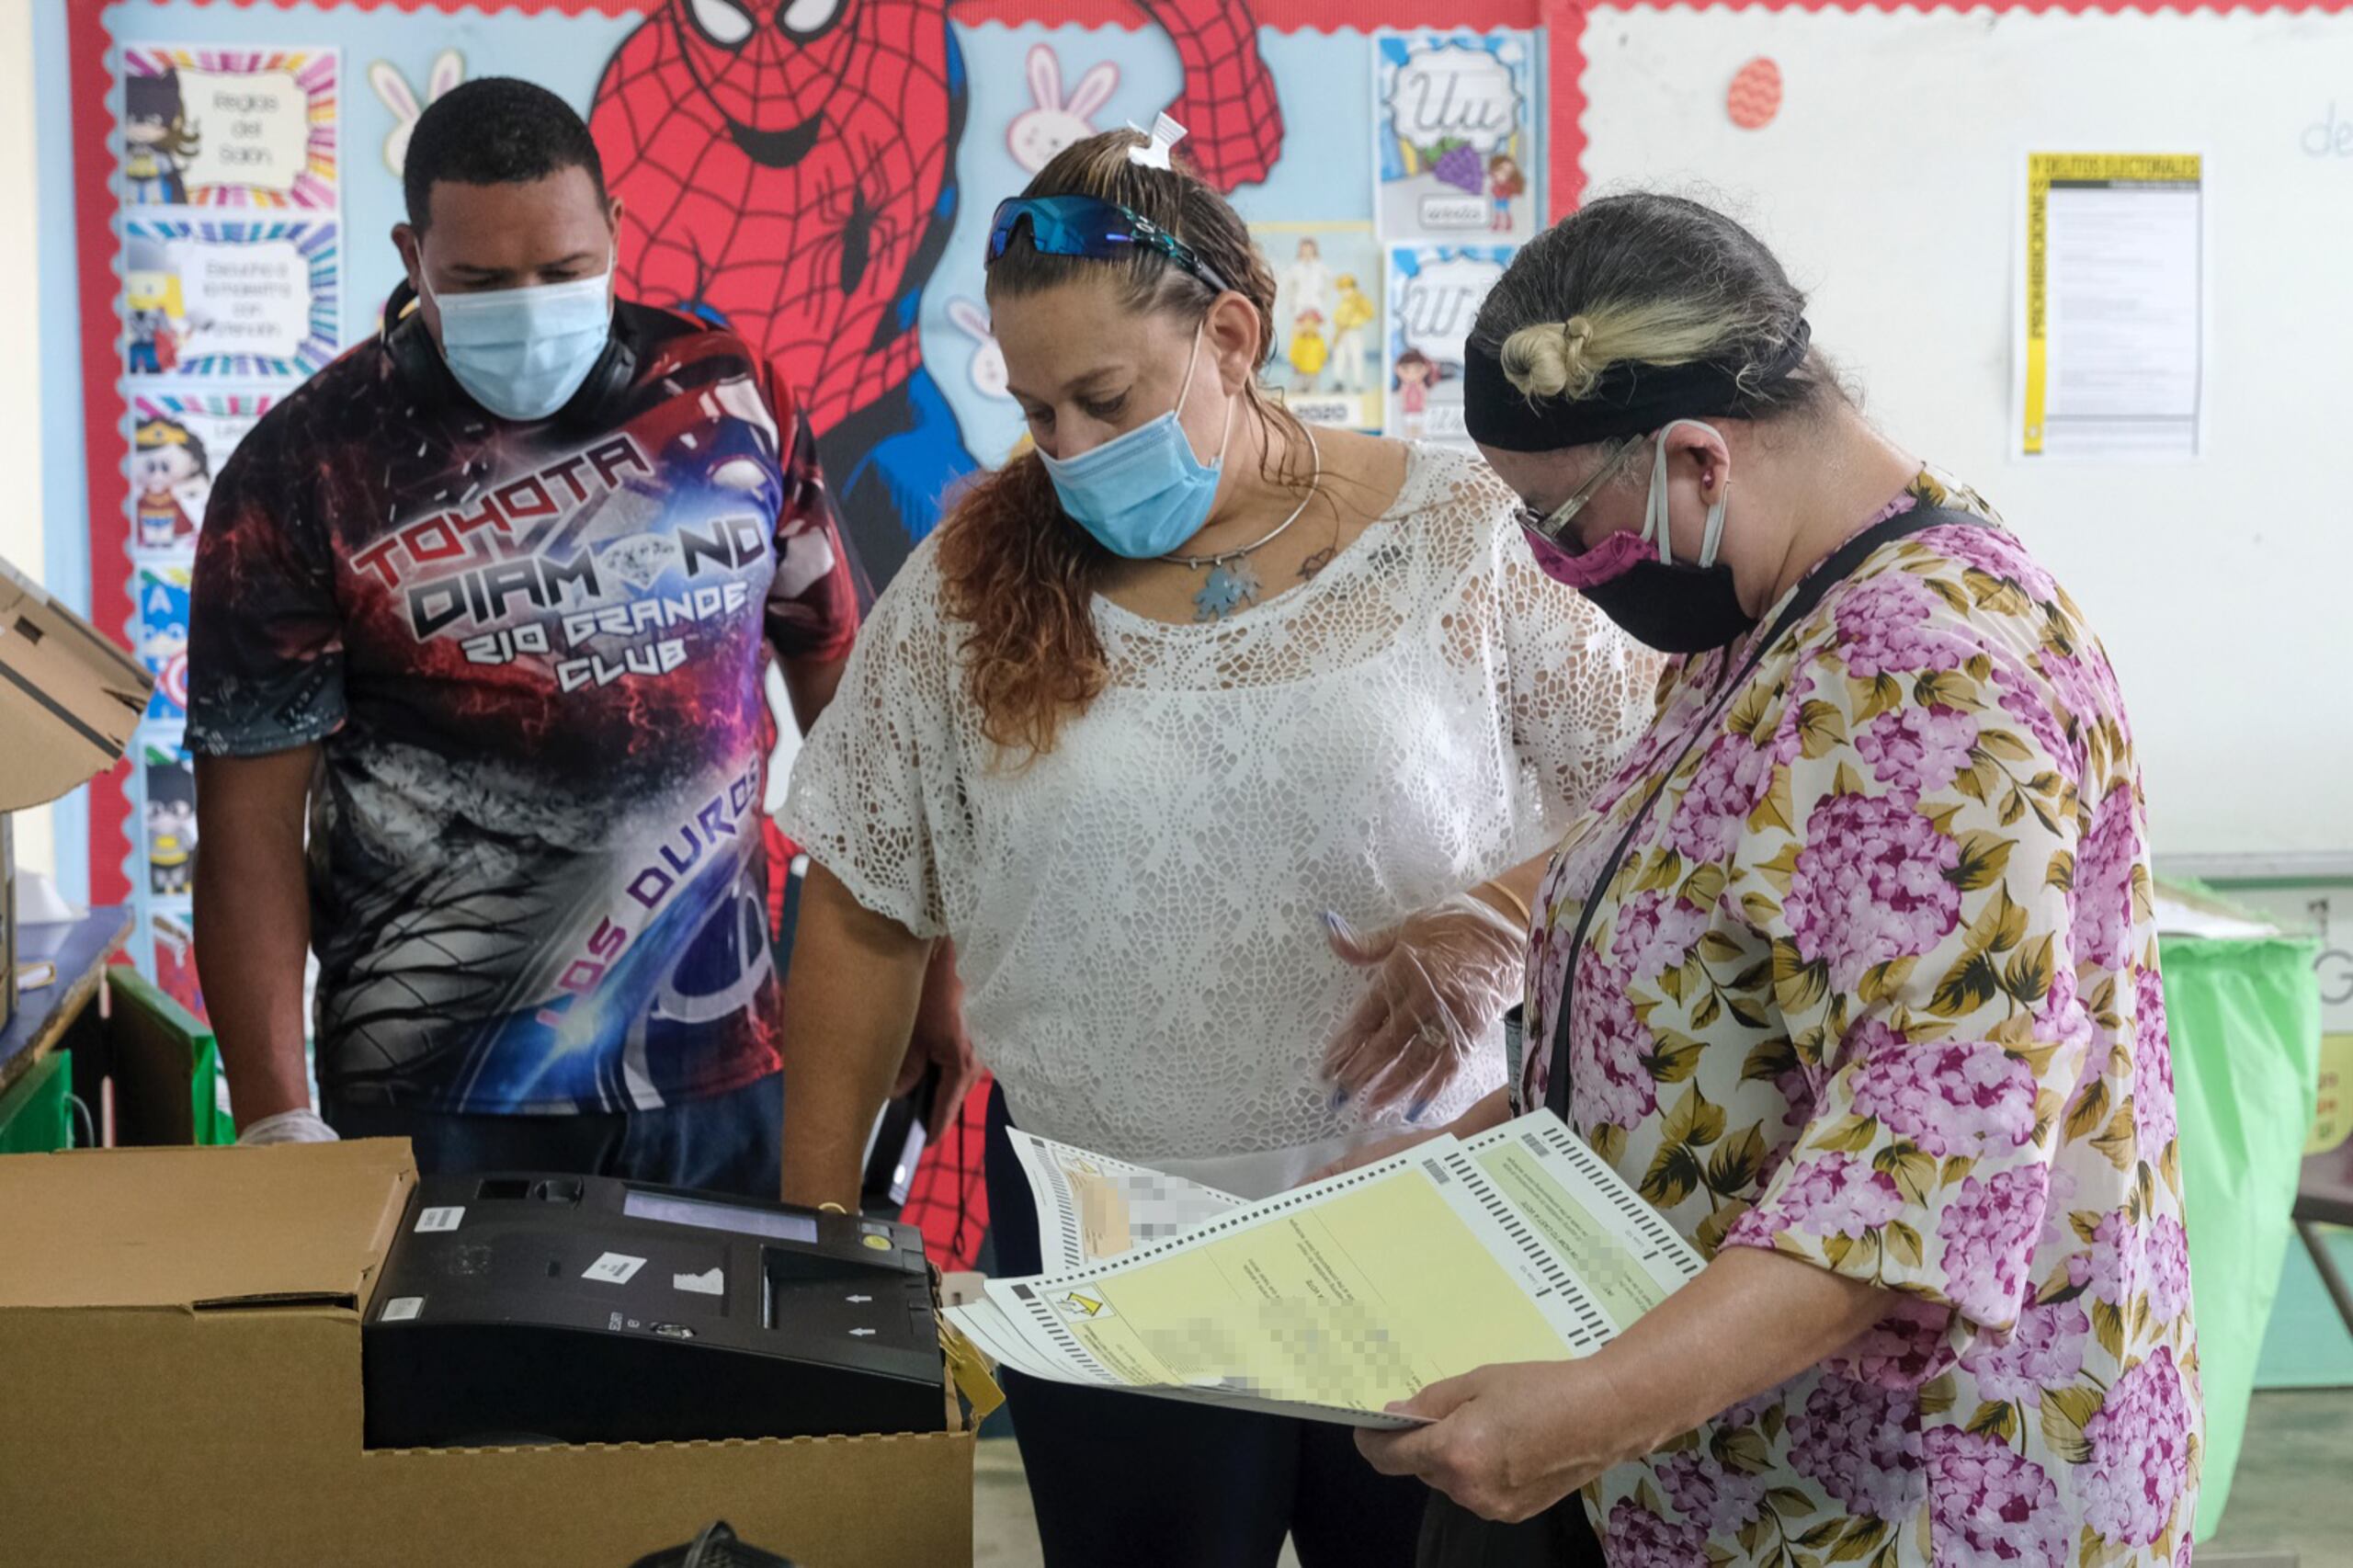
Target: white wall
1890, 183
21, 401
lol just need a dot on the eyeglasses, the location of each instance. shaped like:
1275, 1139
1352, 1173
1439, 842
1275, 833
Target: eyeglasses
1555, 525
1091, 227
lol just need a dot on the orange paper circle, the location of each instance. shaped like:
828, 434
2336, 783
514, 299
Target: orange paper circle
1755, 96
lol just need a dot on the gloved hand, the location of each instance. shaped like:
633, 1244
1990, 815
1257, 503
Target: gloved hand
1439, 978
301, 1126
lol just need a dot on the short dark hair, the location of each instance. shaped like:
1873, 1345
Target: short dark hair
494, 131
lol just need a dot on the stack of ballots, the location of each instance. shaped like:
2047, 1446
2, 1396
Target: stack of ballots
1339, 1299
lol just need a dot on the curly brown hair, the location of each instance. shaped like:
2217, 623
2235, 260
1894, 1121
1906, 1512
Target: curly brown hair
1016, 570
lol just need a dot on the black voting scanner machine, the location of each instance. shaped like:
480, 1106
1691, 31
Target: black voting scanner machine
522, 1308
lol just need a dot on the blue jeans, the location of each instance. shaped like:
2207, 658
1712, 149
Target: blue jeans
731, 1143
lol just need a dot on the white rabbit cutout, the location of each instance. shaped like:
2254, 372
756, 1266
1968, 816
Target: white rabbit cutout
1036, 134
987, 372
449, 69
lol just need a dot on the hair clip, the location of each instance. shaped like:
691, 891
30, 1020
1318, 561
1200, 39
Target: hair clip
1165, 133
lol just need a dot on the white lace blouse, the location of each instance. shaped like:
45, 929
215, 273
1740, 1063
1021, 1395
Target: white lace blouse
1137, 914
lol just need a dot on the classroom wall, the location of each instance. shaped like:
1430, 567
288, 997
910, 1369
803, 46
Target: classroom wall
20, 364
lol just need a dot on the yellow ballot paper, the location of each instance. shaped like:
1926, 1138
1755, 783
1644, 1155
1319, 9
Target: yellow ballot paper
1335, 1301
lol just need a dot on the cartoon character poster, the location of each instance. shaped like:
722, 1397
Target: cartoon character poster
235, 300
179, 443
205, 127
1328, 309
1434, 292
1455, 115
794, 169
170, 808
163, 638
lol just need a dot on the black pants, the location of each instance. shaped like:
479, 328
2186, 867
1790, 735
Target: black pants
1140, 1483
1561, 1537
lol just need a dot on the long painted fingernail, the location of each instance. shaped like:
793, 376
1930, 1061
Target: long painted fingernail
1340, 1098
1415, 1114
1334, 924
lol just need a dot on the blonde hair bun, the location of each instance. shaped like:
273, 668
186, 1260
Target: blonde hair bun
1552, 359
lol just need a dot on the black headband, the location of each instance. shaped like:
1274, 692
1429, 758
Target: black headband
1629, 399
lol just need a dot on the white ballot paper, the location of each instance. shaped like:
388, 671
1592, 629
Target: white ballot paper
1091, 1206
1335, 1301
2110, 348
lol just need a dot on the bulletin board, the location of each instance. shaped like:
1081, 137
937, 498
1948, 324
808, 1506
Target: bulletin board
1882, 153
821, 175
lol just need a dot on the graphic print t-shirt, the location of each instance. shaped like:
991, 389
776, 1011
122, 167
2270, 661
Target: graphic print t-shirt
534, 654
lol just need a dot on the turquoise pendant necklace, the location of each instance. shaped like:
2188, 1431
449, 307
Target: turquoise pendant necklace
1232, 584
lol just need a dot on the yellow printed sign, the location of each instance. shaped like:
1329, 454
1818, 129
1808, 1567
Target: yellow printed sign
2045, 170
2332, 1121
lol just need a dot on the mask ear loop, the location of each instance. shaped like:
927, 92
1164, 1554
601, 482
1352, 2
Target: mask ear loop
1654, 516
1192, 363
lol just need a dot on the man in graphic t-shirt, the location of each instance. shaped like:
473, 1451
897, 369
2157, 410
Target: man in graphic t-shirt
489, 600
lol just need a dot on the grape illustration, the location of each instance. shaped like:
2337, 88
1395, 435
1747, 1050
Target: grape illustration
1459, 166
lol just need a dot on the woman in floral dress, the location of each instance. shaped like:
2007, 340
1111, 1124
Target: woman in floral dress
1850, 969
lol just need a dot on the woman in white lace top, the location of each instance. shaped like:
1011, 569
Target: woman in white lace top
1126, 730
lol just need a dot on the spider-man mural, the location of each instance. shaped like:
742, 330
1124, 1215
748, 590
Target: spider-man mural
791, 164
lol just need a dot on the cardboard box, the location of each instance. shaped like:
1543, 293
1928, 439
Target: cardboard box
69, 701
179, 1352
7, 918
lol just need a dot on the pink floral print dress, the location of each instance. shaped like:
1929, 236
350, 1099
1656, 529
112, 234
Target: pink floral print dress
1875, 986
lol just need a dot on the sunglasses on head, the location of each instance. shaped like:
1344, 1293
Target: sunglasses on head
1090, 227
1556, 525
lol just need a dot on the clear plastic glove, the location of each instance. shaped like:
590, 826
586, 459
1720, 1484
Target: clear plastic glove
1439, 980
287, 1126
1372, 1154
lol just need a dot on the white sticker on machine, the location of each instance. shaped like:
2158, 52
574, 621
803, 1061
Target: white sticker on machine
400, 1309
439, 1219
709, 1282
614, 1268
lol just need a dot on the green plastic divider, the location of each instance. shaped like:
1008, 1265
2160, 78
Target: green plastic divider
2245, 1020
37, 1113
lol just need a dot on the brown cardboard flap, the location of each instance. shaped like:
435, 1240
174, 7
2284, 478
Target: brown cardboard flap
69, 699
288, 1224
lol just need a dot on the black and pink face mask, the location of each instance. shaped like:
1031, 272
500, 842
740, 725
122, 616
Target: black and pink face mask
1634, 579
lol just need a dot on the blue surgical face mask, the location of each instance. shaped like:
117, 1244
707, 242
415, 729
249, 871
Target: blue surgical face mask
1143, 493
521, 353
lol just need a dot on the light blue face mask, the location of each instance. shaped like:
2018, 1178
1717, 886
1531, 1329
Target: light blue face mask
521, 353
1143, 493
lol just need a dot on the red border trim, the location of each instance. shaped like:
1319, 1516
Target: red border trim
102, 408
1283, 15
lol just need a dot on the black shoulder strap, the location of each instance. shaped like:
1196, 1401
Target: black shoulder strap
1835, 568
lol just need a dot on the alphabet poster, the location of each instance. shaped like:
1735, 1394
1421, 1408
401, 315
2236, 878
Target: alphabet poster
1434, 292
229, 127
1455, 116
1329, 304
222, 301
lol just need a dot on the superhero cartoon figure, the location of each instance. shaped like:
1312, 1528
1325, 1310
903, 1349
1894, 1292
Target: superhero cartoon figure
170, 471
791, 167
157, 140
154, 308
171, 826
